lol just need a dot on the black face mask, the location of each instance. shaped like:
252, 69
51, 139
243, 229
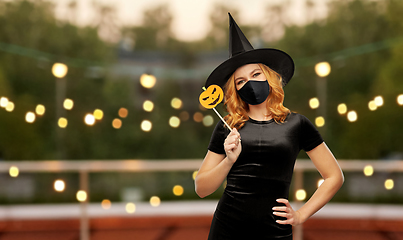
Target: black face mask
254, 92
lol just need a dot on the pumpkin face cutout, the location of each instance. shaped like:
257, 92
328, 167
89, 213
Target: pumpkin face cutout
211, 97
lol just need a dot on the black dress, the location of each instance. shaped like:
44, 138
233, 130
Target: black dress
261, 175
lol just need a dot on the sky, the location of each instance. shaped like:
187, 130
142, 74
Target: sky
190, 17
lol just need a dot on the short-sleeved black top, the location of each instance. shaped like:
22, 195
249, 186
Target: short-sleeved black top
261, 174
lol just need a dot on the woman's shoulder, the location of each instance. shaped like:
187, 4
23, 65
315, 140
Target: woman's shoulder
297, 117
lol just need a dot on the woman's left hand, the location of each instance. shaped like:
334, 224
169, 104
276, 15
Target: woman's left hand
292, 217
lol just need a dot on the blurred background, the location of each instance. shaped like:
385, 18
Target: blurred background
100, 123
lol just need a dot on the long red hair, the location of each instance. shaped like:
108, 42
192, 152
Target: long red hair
238, 110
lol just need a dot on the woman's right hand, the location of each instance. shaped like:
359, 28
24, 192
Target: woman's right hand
232, 145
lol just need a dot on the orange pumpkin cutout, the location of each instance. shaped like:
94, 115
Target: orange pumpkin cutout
211, 97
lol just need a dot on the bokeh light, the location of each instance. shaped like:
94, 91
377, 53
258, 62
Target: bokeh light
59, 70
130, 207
62, 122
322, 69
389, 184
89, 119
319, 121
146, 125
98, 114
300, 195
117, 123
155, 201
372, 105
368, 170
208, 120
147, 81
59, 185
40, 109
198, 117
194, 174
3, 102
320, 181
174, 121
314, 103
123, 112
81, 196
148, 106
184, 116
342, 108
378, 101
352, 116
14, 171
30, 117
400, 99
178, 190
68, 104
10, 106
176, 103
106, 204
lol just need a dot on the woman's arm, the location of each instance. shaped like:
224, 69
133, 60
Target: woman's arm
215, 167
328, 167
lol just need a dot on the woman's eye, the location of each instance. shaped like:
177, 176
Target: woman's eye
256, 74
240, 82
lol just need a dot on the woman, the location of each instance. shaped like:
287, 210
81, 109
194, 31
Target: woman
257, 156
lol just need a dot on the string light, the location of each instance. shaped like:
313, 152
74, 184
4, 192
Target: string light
178, 190
342, 108
89, 119
300, 194
130, 207
14, 171
59, 70
314, 103
117, 123
378, 101
68, 104
98, 114
40, 109
176, 103
389, 184
155, 201
81, 196
372, 105
174, 121
198, 117
319, 121
368, 170
146, 125
322, 69
10, 106
400, 99
148, 106
30, 117
3, 102
208, 120
106, 204
62, 122
352, 116
194, 174
147, 81
59, 185
123, 112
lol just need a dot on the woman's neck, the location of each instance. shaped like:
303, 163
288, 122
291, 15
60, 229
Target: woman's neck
259, 112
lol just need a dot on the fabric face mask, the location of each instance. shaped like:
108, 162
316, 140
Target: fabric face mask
254, 92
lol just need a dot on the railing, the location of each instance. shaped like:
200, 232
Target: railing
84, 167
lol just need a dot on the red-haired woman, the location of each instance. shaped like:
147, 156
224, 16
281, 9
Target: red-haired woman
259, 167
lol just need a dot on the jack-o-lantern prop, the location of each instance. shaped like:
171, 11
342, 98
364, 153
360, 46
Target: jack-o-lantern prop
211, 97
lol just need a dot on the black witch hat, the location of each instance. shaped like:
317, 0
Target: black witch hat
241, 52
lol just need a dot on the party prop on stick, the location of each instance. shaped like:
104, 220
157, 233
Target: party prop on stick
211, 97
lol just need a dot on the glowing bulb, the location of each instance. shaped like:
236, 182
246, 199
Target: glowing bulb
342, 108
319, 121
372, 105
81, 196
194, 175
68, 104
178, 190
368, 170
300, 195
30, 117
198, 117
117, 123
148, 106
155, 201
378, 101
208, 120
130, 207
123, 112
14, 171
40, 109
10, 106
322, 69
106, 204
352, 116
59, 70
147, 81
174, 122
176, 103
314, 103
98, 114
320, 181
389, 184
59, 185
3, 102
146, 125
400, 99
62, 122
89, 119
